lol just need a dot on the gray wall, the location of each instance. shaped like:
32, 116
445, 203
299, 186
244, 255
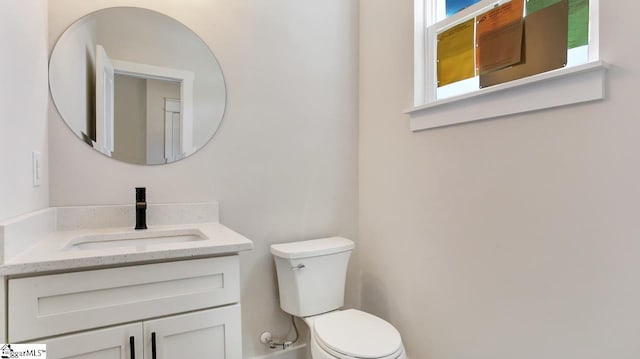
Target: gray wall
283, 164
511, 238
130, 119
23, 99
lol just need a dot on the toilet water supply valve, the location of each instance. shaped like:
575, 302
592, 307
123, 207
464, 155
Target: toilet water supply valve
283, 343
266, 338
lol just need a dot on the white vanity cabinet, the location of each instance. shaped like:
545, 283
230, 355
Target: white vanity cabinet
111, 343
179, 309
213, 333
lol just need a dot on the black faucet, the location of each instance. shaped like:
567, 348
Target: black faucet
141, 208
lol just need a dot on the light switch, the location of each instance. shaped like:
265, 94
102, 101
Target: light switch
37, 168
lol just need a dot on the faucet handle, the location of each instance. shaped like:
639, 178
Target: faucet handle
141, 208
141, 194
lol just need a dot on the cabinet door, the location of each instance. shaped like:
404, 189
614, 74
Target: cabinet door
206, 334
110, 343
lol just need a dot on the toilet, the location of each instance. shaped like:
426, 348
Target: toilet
311, 280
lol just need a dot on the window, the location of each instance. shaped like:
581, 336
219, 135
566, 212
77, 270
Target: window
471, 48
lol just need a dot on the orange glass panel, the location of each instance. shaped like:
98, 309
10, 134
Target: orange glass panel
499, 36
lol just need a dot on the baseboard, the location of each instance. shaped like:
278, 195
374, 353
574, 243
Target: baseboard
295, 352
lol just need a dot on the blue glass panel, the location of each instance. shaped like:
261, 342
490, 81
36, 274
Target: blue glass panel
454, 6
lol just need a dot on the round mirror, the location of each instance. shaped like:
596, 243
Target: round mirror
137, 86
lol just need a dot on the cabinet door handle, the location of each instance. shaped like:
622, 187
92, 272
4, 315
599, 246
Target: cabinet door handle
132, 346
153, 345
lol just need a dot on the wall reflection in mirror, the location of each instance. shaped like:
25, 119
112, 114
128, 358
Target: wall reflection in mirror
137, 85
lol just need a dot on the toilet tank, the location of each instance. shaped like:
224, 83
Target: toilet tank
312, 274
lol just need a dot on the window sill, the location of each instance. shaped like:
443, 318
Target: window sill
577, 84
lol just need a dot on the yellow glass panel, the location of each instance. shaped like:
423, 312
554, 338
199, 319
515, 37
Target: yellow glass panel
456, 54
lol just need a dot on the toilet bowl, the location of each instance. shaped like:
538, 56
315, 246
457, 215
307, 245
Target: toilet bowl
311, 281
353, 334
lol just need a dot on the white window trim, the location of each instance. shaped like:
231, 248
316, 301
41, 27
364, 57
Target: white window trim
566, 86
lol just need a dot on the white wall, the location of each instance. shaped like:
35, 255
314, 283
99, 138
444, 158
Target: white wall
73, 78
283, 164
511, 238
23, 99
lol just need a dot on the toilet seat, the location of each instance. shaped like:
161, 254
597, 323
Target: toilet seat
399, 354
353, 334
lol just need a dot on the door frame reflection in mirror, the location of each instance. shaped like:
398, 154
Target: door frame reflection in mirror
171, 108
105, 102
184, 77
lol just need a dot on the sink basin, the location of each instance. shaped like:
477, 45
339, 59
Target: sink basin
134, 239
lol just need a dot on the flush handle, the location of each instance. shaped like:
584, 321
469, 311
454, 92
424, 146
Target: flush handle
299, 267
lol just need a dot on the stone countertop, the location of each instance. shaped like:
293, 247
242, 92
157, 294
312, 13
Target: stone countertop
52, 253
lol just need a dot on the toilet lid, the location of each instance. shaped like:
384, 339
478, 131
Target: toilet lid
357, 334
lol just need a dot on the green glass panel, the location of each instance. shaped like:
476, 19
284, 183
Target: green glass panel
578, 19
